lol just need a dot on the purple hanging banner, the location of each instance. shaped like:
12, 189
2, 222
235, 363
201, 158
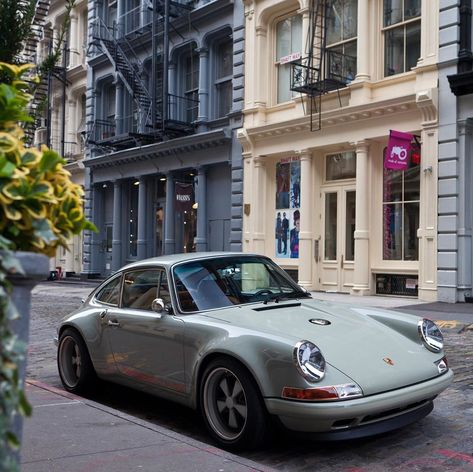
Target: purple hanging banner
183, 197
397, 152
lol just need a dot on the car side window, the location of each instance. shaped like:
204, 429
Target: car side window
110, 294
140, 288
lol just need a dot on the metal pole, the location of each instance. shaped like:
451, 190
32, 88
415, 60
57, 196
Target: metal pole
63, 124
48, 102
165, 97
154, 48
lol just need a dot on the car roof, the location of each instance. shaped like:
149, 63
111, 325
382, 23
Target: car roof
171, 259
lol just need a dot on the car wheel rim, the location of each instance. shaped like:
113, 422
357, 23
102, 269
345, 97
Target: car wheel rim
225, 404
70, 361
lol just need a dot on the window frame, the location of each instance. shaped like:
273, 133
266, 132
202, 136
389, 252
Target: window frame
221, 80
276, 60
402, 202
190, 106
161, 270
403, 23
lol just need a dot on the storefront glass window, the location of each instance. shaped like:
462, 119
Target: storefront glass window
133, 221
341, 165
330, 242
350, 213
401, 195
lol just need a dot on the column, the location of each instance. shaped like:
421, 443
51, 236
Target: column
141, 242
117, 226
71, 144
201, 197
259, 205
465, 254
73, 38
305, 234
119, 92
363, 41
261, 67
94, 209
203, 114
173, 105
169, 229
361, 277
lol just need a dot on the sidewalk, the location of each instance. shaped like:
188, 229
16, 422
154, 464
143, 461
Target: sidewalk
74, 434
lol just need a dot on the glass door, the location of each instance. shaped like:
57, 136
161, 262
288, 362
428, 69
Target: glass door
338, 244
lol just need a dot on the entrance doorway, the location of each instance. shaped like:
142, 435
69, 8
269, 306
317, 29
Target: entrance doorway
338, 243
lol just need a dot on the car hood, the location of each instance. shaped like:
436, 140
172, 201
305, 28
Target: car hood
373, 354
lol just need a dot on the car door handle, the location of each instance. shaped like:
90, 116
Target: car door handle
113, 323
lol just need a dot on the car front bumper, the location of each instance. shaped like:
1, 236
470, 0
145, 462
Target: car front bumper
360, 417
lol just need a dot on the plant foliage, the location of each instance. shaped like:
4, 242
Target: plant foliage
40, 209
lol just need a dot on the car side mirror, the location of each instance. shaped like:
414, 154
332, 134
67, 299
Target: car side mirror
157, 305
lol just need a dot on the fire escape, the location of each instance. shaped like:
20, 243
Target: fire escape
29, 55
155, 116
323, 69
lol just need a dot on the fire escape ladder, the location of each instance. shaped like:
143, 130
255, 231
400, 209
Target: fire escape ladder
129, 68
322, 70
29, 55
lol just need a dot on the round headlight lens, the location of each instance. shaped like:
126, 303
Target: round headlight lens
430, 335
309, 360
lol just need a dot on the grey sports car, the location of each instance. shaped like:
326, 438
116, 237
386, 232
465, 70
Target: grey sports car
233, 336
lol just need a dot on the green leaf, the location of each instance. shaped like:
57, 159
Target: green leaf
6, 167
12, 440
49, 161
10, 262
25, 407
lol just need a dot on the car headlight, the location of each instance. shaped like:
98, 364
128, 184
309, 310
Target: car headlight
309, 361
430, 335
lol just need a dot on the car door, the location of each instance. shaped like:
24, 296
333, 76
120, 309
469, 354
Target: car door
147, 346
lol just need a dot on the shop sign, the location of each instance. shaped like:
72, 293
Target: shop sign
295, 56
183, 197
398, 150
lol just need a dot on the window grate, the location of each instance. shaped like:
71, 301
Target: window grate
396, 284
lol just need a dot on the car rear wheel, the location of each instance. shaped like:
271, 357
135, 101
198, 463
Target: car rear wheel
74, 364
232, 406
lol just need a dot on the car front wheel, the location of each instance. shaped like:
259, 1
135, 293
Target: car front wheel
74, 364
232, 406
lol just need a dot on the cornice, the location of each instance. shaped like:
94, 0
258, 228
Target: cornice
187, 144
331, 118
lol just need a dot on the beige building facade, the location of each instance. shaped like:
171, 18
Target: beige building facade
63, 126
322, 202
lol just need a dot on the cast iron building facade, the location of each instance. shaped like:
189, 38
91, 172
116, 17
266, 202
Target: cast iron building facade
164, 100
455, 208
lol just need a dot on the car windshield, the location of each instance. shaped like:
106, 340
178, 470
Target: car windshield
226, 281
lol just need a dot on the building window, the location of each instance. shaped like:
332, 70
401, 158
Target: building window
401, 199
401, 35
223, 78
191, 87
288, 43
341, 165
106, 126
341, 39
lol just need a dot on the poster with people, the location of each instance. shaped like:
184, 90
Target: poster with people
287, 227
288, 201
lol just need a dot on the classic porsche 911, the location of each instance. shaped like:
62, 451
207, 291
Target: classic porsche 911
233, 336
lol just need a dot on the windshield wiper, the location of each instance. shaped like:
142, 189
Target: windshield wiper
278, 297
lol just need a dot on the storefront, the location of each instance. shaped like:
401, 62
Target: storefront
333, 212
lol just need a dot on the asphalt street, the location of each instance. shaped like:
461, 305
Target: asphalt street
441, 442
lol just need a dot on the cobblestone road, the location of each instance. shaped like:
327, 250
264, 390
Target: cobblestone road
441, 442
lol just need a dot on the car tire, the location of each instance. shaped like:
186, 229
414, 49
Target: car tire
232, 406
75, 367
